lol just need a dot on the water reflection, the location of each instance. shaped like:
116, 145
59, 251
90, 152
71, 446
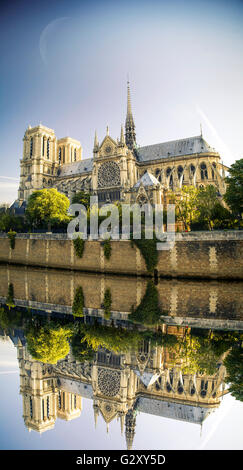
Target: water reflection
173, 372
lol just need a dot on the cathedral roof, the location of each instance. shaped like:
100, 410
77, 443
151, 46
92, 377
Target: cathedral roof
173, 410
76, 168
174, 148
147, 180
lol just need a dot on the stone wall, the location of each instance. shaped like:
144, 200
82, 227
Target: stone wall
183, 302
213, 255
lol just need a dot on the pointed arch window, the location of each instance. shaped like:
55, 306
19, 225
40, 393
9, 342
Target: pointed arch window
180, 173
75, 155
63, 155
59, 155
43, 146
204, 171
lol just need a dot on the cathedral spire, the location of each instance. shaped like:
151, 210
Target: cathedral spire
129, 126
130, 427
96, 143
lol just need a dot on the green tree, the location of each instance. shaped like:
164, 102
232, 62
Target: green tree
148, 311
207, 200
48, 343
114, 339
234, 368
47, 206
234, 192
186, 205
78, 303
82, 198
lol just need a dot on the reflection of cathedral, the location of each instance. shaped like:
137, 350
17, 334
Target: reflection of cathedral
120, 170
119, 385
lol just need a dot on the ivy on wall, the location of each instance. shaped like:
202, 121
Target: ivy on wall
78, 303
107, 248
79, 246
11, 236
148, 250
10, 297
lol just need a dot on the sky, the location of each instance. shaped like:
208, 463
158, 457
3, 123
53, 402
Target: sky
222, 430
65, 64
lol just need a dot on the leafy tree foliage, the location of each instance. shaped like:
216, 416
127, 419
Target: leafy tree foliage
82, 198
234, 191
114, 339
186, 204
234, 367
48, 343
47, 206
78, 303
207, 200
148, 312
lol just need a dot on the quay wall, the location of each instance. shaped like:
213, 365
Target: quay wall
209, 255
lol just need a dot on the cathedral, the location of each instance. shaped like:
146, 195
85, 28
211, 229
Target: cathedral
120, 170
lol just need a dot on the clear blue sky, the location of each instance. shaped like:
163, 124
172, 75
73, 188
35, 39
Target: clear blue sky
65, 64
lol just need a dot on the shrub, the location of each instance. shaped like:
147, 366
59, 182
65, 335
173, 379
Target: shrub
78, 303
11, 236
148, 250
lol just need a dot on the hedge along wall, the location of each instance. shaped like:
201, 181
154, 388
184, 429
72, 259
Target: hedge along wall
213, 255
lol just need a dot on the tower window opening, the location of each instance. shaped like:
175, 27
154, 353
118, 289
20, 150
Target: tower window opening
48, 407
31, 146
75, 155
59, 155
48, 149
43, 146
31, 408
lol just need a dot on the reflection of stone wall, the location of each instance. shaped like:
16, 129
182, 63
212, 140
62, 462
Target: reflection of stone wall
196, 255
46, 289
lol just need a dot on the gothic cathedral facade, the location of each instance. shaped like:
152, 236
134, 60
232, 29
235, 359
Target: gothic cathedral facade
120, 170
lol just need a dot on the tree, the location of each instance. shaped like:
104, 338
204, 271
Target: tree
47, 206
82, 198
47, 343
234, 368
186, 205
234, 192
207, 199
148, 311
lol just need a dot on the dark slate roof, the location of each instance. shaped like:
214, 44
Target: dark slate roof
173, 410
76, 168
174, 148
76, 387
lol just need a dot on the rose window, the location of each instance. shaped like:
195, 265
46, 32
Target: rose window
109, 382
109, 175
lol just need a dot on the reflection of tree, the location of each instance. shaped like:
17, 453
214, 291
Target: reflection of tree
201, 353
234, 367
48, 343
81, 350
113, 339
148, 312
